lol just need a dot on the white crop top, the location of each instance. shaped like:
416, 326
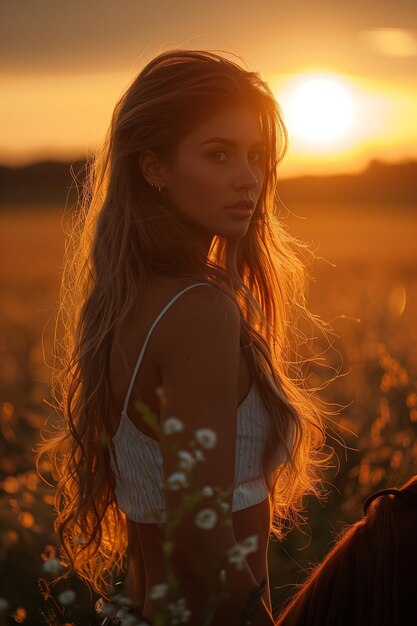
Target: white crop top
139, 472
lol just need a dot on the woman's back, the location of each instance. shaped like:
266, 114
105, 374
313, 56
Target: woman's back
253, 520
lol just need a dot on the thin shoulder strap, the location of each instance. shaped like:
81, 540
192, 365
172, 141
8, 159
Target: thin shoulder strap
138, 362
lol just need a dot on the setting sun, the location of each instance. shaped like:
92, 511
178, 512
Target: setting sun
320, 110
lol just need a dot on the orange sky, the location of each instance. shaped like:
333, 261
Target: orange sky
345, 77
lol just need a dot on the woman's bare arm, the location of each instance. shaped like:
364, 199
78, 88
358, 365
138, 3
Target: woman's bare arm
200, 369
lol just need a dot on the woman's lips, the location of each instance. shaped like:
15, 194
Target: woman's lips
242, 204
240, 213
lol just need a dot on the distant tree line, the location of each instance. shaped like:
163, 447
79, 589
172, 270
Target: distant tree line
52, 183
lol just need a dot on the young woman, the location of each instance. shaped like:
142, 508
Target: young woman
182, 290
370, 575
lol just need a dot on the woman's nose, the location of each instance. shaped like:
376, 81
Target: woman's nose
247, 177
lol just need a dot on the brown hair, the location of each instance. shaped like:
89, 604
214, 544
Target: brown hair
369, 576
125, 228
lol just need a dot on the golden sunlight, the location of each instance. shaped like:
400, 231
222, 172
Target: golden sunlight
320, 111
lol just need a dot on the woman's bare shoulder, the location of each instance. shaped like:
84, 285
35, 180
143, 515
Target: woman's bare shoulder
196, 298
205, 310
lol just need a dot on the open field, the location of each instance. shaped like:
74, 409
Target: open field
365, 285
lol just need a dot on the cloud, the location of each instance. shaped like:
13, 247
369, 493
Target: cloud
391, 42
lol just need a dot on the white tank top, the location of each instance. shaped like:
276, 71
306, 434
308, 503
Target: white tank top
139, 471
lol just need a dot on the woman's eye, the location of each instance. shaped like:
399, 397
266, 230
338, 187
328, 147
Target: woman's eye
214, 154
260, 155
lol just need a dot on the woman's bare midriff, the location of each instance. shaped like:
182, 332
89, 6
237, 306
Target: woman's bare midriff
254, 520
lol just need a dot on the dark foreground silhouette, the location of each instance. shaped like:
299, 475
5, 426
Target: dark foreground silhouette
370, 575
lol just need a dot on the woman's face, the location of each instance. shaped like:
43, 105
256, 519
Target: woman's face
207, 175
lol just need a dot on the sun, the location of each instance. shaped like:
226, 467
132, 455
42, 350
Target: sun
319, 111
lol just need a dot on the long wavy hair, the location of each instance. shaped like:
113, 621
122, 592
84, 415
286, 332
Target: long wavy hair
123, 228
368, 577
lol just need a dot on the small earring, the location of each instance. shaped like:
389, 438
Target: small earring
159, 188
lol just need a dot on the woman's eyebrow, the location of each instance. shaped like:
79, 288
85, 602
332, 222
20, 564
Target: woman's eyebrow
229, 142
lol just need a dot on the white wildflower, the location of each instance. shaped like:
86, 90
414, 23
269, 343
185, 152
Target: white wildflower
238, 553
4, 605
131, 620
206, 437
224, 506
52, 566
126, 619
67, 597
186, 459
207, 491
250, 543
172, 425
237, 556
158, 591
206, 518
179, 612
199, 456
177, 480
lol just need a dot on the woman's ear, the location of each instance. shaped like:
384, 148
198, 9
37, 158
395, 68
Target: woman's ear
151, 168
